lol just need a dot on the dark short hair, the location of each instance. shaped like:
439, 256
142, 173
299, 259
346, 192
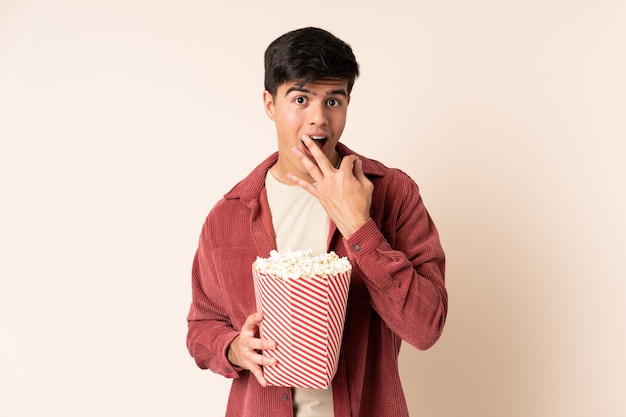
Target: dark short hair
306, 55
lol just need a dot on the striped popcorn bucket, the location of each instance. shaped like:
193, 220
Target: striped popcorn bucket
305, 316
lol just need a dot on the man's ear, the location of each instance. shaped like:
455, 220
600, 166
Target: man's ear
268, 103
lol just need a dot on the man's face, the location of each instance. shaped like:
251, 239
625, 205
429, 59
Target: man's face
317, 109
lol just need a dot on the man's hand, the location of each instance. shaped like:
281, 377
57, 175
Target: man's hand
244, 350
344, 192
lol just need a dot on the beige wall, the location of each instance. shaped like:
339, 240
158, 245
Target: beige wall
122, 122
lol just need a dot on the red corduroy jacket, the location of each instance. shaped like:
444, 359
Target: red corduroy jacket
397, 293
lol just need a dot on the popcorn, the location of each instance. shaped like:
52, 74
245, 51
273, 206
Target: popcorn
303, 299
301, 264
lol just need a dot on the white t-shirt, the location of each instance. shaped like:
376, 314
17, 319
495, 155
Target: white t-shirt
300, 223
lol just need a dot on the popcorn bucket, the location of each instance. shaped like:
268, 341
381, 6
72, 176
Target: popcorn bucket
305, 317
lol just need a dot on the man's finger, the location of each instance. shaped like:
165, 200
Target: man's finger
357, 169
257, 371
260, 344
320, 157
252, 321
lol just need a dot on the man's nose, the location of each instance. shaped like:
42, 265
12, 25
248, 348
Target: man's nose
317, 114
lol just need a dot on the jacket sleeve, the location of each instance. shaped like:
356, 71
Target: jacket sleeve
404, 272
210, 330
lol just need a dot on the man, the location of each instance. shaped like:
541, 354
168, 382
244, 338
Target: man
316, 193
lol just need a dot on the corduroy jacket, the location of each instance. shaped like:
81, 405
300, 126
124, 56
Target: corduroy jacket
397, 293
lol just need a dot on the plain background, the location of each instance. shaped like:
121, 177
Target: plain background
123, 122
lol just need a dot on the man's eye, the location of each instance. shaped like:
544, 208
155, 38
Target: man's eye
333, 102
300, 100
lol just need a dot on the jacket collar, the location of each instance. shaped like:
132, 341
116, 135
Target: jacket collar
250, 187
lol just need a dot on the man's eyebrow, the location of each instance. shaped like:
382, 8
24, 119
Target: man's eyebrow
339, 91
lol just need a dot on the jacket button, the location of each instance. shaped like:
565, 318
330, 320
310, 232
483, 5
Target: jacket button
284, 397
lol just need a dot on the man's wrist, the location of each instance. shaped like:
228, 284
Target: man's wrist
349, 231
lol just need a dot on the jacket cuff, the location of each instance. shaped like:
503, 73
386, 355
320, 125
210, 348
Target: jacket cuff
225, 367
364, 240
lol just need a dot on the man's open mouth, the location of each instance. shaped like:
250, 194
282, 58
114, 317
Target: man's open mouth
320, 141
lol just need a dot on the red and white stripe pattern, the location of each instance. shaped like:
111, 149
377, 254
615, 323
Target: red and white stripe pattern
305, 317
